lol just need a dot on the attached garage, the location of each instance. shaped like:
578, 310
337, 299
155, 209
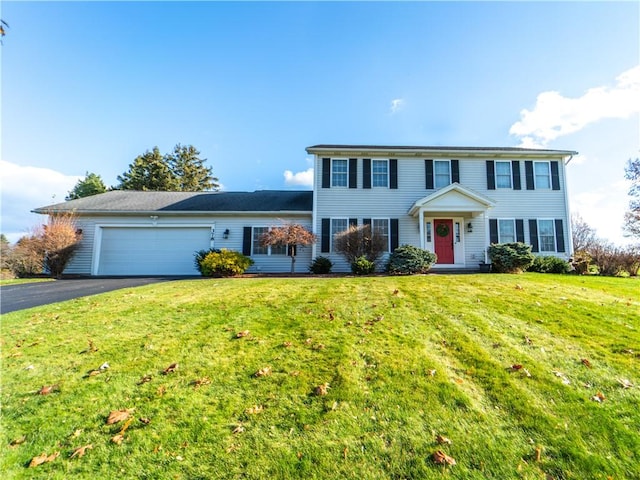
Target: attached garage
158, 250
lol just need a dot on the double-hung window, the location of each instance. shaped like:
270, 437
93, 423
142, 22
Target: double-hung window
441, 173
503, 174
258, 249
338, 225
380, 227
506, 231
546, 236
380, 173
339, 172
542, 173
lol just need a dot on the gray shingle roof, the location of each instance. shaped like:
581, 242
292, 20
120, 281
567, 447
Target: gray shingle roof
126, 201
437, 148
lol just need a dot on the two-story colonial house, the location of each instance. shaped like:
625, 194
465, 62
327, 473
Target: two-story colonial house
454, 201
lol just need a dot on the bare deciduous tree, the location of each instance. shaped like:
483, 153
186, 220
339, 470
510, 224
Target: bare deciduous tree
359, 241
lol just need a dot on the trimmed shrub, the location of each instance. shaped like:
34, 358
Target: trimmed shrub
407, 260
359, 241
321, 265
225, 263
549, 265
513, 257
199, 257
363, 266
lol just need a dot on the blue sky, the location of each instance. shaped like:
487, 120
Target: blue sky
88, 86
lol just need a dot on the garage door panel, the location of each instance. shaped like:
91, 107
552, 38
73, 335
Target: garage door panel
151, 251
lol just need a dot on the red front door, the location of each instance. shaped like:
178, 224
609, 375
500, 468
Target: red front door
444, 240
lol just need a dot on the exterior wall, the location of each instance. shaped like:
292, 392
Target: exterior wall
84, 261
384, 202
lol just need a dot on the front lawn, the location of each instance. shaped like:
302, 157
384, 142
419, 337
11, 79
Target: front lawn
521, 376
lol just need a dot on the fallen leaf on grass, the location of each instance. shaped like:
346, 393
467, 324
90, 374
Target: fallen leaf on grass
625, 383
322, 390
515, 367
161, 390
238, 429
441, 439
92, 373
598, 397
254, 410
319, 346
201, 381
117, 439
286, 344
44, 458
145, 379
104, 366
263, 372
47, 389
144, 420
586, 362
294, 373
18, 441
242, 334
119, 415
80, 451
170, 369
442, 458
432, 373
519, 287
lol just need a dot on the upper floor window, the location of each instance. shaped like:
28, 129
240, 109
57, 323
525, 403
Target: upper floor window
380, 226
380, 173
506, 231
338, 225
542, 172
546, 236
339, 172
258, 249
503, 174
441, 173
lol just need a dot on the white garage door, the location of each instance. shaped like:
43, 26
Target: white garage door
151, 251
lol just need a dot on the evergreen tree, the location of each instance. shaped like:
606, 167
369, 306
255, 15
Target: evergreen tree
92, 184
148, 171
632, 216
182, 171
189, 170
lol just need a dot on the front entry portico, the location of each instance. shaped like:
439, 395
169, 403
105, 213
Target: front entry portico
453, 224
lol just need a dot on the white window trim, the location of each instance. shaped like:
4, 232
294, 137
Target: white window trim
372, 171
435, 175
331, 232
347, 183
388, 220
535, 175
553, 225
515, 232
510, 187
268, 254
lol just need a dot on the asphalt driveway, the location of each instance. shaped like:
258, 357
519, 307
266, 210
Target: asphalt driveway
27, 295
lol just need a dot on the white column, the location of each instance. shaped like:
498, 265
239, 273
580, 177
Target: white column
421, 217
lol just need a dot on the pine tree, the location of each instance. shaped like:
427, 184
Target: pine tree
189, 170
148, 171
92, 184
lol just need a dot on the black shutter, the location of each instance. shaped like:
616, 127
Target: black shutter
246, 241
559, 236
393, 173
394, 234
353, 173
366, 173
555, 176
325, 235
428, 168
491, 175
533, 235
519, 230
455, 171
528, 172
353, 222
326, 173
366, 221
493, 230
515, 173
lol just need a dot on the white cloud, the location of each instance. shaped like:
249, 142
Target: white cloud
396, 104
554, 116
26, 188
304, 178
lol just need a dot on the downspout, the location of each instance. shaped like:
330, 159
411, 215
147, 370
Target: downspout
567, 207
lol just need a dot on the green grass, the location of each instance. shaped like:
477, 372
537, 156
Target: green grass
18, 281
376, 341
